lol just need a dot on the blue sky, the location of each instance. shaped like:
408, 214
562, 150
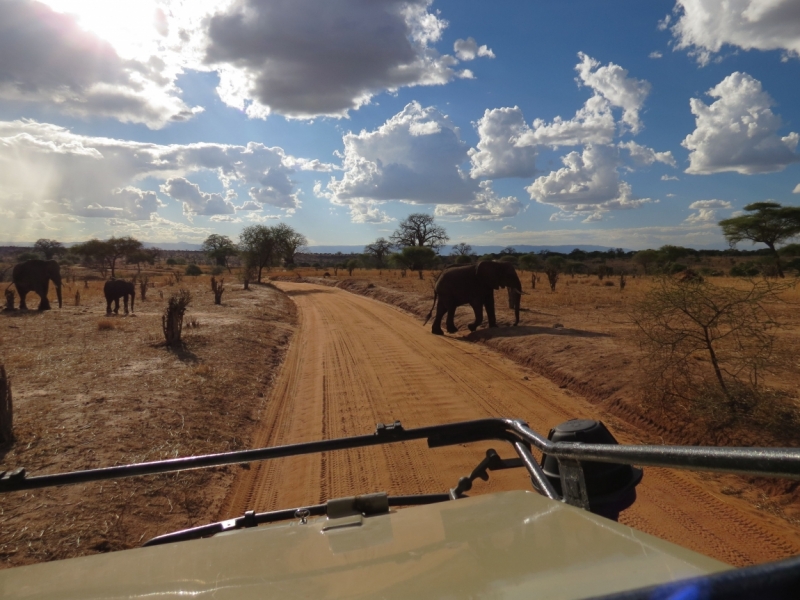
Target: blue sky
617, 123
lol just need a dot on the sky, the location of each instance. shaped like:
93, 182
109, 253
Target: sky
619, 123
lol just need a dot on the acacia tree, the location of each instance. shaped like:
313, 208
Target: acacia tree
287, 242
257, 243
461, 249
646, 258
416, 258
219, 248
418, 229
379, 249
120, 247
767, 223
104, 254
696, 335
49, 248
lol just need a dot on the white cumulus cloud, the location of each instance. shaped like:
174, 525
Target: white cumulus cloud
70, 174
705, 26
414, 157
706, 211
612, 82
498, 153
642, 155
468, 49
195, 201
738, 132
588, 184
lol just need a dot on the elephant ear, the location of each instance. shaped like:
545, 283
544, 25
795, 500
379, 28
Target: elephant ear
489, 273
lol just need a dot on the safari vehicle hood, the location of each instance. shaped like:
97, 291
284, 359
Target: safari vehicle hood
505, 545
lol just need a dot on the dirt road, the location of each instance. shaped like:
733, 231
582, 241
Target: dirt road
355, 362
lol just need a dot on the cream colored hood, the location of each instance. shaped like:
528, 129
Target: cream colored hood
506, 545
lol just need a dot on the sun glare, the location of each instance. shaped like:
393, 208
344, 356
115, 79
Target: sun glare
131, 27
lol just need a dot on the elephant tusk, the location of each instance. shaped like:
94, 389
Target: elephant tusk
520, 292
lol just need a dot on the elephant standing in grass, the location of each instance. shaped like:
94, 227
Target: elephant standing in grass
474, 285
35, 276
116, 289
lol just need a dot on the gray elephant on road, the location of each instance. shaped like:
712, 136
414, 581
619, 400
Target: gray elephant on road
473, 285
116, 289
35, 276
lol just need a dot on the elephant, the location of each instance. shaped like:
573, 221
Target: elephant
473, 285
35, 276
115, 289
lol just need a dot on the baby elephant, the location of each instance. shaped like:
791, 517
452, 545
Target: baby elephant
116, 289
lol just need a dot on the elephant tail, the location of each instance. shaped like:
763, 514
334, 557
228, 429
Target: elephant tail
430, 314
9, 287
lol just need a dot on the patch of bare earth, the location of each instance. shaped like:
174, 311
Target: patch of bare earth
581, 337
93, 391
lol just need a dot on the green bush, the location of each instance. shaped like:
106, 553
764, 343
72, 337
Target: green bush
744, 270
217, 270
194, 270
171, 262
676, 268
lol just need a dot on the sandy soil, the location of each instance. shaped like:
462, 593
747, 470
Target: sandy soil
91, 391
356, 362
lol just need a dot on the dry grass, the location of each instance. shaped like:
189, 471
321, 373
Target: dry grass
88, 396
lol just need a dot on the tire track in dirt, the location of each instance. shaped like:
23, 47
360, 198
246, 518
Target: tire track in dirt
355, 362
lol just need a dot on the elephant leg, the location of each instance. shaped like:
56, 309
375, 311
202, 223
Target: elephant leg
489, 303
477, 308
22, 293
126, 304
44, 303
436, 329
116, 306
451, 324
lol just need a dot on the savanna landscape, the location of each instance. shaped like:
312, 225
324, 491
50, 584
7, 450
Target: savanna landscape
290, 347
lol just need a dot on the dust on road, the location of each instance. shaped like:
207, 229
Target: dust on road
355, 362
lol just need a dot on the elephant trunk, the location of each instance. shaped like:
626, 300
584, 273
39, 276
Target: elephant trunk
133, 297
58, 294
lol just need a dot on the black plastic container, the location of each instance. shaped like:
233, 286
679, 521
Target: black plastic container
611, 487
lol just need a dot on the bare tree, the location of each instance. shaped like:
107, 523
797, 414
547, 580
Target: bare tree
49, 248
461, 249
696, 334
418, 229
379, 249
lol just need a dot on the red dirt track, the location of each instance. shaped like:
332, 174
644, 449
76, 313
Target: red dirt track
355, 362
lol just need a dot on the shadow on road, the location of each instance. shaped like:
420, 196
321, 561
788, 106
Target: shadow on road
526, 330
307, 292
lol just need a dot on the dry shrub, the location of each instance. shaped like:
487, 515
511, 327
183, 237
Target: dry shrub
106, 325
706, 350
172, 319
192, 322
77, 298
609, 284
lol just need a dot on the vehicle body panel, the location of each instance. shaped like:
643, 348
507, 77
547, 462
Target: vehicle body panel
505, 545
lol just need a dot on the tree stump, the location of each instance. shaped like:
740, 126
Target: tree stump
9, 301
